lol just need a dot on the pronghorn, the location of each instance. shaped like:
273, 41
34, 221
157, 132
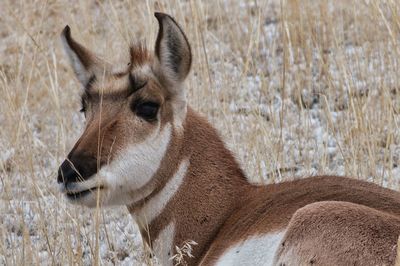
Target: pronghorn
145, 148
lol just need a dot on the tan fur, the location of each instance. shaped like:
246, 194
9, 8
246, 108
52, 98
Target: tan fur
139, 55
112, 123
358, 235
273, 206
214, 172
234, 209
209, 174
328, 220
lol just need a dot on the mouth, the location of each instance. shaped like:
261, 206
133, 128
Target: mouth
81, 194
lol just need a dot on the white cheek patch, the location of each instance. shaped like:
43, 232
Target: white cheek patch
258, 250
134, 167
156, 204
162, 246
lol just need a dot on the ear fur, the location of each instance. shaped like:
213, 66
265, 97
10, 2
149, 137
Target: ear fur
172, 50
84, 63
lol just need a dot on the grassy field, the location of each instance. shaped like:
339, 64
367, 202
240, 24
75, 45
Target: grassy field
295, 87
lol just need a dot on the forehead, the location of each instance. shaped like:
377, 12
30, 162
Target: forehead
125, 79
122, 85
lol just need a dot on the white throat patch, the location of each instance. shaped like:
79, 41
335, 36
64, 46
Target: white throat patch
135, 167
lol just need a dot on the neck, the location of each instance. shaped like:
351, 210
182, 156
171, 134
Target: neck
192, 204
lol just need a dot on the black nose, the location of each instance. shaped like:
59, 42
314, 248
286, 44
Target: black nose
76, 169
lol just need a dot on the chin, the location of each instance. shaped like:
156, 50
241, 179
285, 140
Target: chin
88, 198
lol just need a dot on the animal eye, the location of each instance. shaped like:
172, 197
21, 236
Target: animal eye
147, 110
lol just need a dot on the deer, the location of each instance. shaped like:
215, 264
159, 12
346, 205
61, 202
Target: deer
144, 147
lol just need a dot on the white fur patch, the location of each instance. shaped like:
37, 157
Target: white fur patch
258, 250
156, 204
162, 246
124, 178
135, 167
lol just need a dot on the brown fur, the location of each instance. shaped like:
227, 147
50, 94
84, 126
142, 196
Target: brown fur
222, 217
215, 206
112, 130
198, 218
358, 235
273, 207
139, 55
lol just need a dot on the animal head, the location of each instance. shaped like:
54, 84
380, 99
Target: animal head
132, 118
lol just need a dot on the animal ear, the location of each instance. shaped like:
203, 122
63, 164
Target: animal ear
172, 50
84, 63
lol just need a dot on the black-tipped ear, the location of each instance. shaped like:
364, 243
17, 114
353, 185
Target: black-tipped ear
83, 62
172, 49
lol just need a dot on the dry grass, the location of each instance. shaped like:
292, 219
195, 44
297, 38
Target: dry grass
307, 86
